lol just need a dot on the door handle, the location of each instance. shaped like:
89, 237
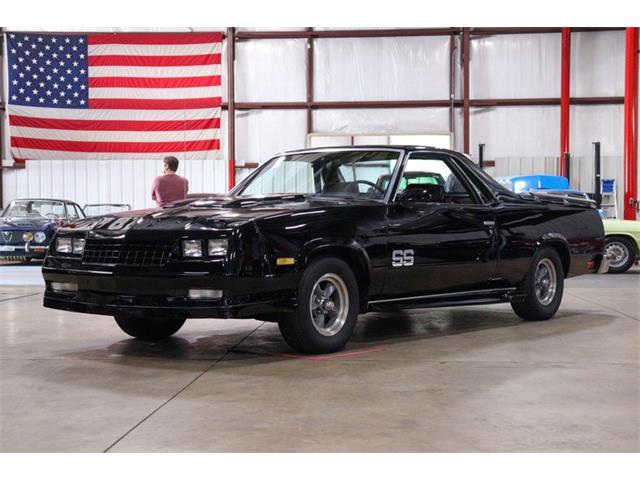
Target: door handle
489, 223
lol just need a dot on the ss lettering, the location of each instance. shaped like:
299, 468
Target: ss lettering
402, 258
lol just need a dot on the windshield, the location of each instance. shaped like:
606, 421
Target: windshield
35, 209
362, 173
104, 209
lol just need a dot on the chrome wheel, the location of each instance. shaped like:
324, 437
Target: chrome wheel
546, 281
329, 304
617, 252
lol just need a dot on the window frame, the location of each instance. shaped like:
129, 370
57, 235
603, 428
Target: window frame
451, 162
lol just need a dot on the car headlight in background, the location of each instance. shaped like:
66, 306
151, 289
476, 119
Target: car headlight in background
40, 237
63, 245
218, 247
192, 248
27, 236
78, 246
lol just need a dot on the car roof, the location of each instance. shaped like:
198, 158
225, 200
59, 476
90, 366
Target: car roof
42, 200
370, 147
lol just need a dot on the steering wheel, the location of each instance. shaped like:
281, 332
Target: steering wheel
52, 216
371, 184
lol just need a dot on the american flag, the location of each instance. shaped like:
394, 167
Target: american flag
114, 95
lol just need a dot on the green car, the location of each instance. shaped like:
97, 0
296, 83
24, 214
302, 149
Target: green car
622, 244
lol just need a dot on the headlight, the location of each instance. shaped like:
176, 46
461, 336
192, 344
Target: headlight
218, 247
192, 248
27, 236
63, 245
78, 246
40, 237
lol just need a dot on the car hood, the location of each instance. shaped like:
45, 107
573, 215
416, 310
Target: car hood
617, 225
8, 223
216, 213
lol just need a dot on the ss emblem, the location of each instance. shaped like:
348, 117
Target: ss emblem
402, 258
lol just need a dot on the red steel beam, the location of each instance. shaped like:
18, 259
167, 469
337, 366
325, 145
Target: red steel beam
473, 102
309, 68
231, 117
409, 32
452, 72
565, 96
466, 105
631, 124
534, 30
349, 33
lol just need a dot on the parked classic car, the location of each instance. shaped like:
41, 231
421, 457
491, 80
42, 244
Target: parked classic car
310, 240
27, 226
622, 244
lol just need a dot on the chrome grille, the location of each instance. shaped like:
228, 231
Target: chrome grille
113, 252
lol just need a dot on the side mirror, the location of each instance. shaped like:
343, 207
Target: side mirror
422, 194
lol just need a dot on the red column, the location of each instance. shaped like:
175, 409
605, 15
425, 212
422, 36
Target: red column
631, 125
564, 97
231, 102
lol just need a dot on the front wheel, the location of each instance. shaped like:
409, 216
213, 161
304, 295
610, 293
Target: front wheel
149, 328
543, 286
621, 253
327, 308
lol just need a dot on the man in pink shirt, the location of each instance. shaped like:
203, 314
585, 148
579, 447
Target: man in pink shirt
170, 187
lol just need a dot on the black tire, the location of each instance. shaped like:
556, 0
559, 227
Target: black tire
300, 330
149, 328
623, 252
540, 302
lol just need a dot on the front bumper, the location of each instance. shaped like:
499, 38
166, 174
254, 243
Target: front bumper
108, 293
22, 251
604, 265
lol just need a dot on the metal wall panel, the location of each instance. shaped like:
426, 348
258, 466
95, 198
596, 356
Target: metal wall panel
597, 64
270, 70
382, 120
395, 68
515, 66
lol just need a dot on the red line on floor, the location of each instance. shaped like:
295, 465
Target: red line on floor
330, 356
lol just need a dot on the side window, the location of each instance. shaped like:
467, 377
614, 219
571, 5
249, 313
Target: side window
423, 169
73, 213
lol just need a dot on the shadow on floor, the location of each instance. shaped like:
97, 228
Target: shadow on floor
374, 332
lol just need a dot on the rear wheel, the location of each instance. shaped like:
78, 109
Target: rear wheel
327, 308
155, 328
543, 287
621, 253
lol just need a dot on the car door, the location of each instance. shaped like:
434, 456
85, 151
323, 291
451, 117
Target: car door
438, 246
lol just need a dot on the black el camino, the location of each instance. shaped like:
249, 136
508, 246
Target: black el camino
315, 237
27, 226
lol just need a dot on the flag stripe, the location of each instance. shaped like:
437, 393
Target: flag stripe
153, 60
86, 114
113, 125
157, 82
154, 93
115, 136
177, 104
154, 38
40, 154
168, 50
153, 72
115, 147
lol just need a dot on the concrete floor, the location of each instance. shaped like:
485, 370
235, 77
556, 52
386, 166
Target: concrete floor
466, 379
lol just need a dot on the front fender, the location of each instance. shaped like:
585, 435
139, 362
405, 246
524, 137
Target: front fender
329, 245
